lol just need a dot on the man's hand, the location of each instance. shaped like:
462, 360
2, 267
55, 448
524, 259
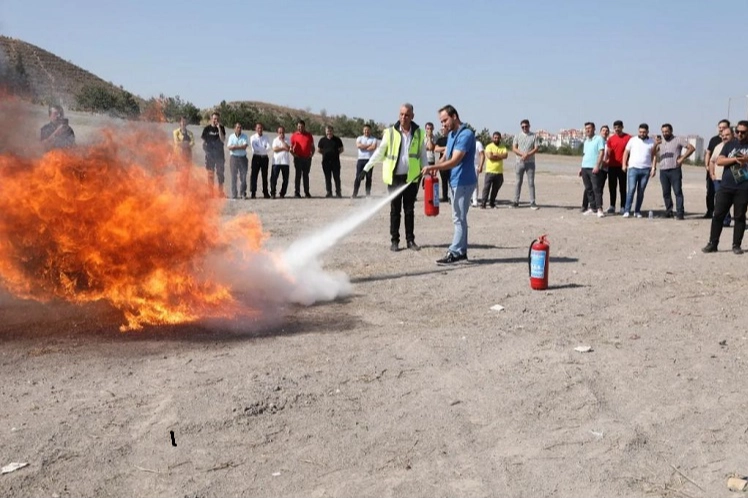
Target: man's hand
679, 161
596, 170
363, 175
652, 173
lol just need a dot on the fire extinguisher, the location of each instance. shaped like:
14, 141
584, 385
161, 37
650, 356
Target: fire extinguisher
431, 195
537, 260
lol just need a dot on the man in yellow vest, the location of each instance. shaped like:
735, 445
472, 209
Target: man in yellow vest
403, 154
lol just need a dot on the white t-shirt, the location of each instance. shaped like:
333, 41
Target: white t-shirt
640, 152
478, 149
282, 157
367, 141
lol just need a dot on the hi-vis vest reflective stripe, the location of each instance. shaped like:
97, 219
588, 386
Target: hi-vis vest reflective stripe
392, 156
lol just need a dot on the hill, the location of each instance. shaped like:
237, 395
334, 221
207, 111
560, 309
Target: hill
44, 78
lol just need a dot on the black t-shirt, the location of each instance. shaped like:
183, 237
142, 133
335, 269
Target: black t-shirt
730, 150
66, 138
212, 138
330, 149
441, 142
713, 142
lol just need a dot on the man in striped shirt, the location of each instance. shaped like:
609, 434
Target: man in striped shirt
525, 146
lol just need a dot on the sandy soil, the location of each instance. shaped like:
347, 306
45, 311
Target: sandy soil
412, 386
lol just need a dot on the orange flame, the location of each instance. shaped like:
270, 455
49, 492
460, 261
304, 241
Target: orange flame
114, 222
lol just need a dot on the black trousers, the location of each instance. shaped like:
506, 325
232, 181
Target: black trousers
738, 199
357, 183
593, 188
491, 185
215, 161
617, 178
710, 194
259, 164
332, 172
444, 180
302, 167
276, 172
406, 202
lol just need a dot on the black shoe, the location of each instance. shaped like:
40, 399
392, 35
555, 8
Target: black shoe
737, 250
449, 259
395, 247
483, 206
413, 246
492, 206
709, 248
328, 195
297, 195
272, 196
708, 214
253, 196
462, 257
669, 214
266, 195
515, 205
307, 195
339, 195
680, 216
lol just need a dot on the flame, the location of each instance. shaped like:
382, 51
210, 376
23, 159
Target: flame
114, 221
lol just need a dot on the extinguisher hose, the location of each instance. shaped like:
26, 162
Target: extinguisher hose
529, 258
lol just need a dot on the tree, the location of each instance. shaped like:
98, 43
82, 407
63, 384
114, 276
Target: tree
95, 98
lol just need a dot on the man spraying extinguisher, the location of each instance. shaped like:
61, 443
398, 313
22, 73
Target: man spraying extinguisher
403, 155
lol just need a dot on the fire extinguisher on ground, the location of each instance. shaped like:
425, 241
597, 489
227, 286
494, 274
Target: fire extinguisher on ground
537, 260
431, 195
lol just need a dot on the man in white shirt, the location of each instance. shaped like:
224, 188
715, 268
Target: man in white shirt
281, 162
260, 150
366, 145
640, 163
237, 144
480, 160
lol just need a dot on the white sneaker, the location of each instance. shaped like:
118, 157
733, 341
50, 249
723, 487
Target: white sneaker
588, 212
474, 204
626, 214
600, 214
638, 215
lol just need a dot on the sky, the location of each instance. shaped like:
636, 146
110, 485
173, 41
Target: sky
556, 63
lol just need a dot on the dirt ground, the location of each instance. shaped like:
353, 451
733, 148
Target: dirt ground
411, 386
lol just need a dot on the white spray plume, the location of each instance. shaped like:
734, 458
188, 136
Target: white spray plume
311, 282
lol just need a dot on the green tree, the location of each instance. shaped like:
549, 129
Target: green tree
95, 98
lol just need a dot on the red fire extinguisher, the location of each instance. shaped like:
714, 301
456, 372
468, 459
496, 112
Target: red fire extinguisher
431, 195
537, 260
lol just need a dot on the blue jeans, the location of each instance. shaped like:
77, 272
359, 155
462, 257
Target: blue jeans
460, 205
672, 178
637, 179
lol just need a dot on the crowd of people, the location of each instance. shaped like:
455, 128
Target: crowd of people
408, 153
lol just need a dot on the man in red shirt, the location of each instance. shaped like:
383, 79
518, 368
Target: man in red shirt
302, 149
616, 176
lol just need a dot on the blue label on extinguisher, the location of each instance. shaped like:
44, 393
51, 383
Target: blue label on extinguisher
436, 194
537, 264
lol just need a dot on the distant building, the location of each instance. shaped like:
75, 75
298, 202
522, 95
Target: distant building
698, 144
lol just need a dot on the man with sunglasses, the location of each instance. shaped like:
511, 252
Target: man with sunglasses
524, 146
733, 190
708, 156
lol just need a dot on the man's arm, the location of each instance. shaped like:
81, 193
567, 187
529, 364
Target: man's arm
689, 150
361, 146
222, 133
625, 160
481, 160
599, 162
341, 148
447, 164
378, 155
515, 147
654, 162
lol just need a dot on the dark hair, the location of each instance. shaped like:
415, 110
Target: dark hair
726, 122
58, 109
258, 123
742, 123
215, 113
237, 123
668, 126
301, 122
644, 126
589, 123
450, 110
618, 123
428, 123
281, 127
496, 133
369, 126
525, 122
605, 127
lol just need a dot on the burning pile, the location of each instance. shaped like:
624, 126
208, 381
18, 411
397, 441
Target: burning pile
116, 222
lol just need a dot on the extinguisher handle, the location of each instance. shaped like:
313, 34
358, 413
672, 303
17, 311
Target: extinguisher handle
529, 259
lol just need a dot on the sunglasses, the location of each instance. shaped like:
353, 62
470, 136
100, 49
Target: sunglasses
741, 132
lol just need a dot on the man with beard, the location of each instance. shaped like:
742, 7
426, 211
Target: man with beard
733, 190
713, 142
331, 147
640, 164
671, 173
302, 150
592, 161
614, 148
494, 179
213, 137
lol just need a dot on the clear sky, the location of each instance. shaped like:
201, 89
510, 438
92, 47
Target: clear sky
558, 63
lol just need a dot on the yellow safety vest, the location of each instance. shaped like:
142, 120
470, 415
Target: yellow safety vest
392, 157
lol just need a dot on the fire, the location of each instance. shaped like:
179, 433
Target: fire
114, 221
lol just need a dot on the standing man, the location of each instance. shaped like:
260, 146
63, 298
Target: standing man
440, 147
184, 141
403, 155
366, 145
671, 173
639, 162
495, 155
57, 134
302, 150
430, 143
614, 148
713, 142
524, 146
715, 172
733, 190
238, 164
480, 160
281, 161
592, 167
460, 159
213, 137
260, 161
331, 147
